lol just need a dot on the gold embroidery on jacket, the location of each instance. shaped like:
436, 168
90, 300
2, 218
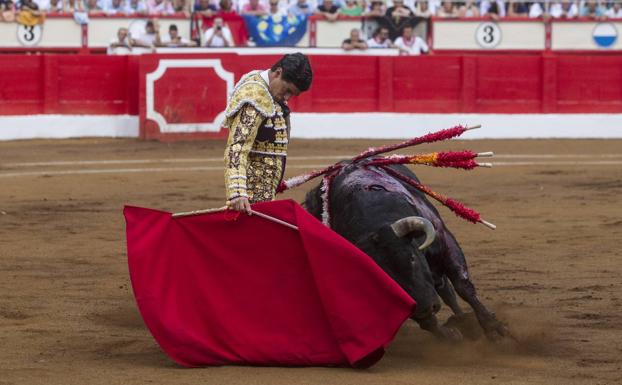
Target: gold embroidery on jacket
254, 167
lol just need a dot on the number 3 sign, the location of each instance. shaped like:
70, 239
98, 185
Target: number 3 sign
29, 35
488, 35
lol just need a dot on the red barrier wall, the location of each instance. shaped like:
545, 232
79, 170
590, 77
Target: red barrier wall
468, 83
68, 84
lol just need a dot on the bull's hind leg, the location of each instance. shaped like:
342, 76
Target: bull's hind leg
493, 328
441, 332
465, 323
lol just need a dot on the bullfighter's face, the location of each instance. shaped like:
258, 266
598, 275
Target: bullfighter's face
281, 89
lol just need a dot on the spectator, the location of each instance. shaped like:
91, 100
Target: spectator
351, 8
181, 6
115, 7
409, 43
219, 35
276, 10
374, 17
422, 9
173, 39
6, 5
380, 39
72, 5
205, 8
592, 9
49, 6
517, 9
300, 8
493, 9
448, 9
434, 5
376, 9
354, 42
615, 12
151, 35
399, 11
226, 8
565, 9
7, 11
160, 7
93, 7
329, 10
136, 7
29, 13
537, 10
253, 7
399, 16
120, 44
469, 9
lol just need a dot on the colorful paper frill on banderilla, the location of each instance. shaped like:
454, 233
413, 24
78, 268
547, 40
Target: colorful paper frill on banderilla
221, 288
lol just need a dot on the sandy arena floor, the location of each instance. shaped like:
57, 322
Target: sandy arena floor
552, 269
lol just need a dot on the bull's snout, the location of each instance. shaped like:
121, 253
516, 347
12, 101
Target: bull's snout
425, 310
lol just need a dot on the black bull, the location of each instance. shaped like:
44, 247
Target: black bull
365, 205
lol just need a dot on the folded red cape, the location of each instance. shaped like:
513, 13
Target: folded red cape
224, 288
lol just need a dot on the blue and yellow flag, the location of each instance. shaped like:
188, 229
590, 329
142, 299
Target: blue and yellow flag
276, 30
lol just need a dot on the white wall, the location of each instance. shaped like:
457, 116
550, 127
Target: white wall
354, 125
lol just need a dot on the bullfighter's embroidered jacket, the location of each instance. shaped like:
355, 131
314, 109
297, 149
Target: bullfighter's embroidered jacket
258, 136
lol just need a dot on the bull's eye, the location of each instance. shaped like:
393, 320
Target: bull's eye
376, 187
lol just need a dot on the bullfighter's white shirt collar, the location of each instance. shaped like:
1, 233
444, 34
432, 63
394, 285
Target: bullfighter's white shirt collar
265, 77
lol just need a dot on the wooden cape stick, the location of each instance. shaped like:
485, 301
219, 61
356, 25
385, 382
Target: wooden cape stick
224, 208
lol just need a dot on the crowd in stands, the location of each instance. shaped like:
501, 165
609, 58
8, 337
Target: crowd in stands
388, 23
331, 9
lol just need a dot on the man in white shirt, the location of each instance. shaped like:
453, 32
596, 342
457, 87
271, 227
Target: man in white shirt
615, 12
219, 35
564, 9
409, 44
151, 36
120, 45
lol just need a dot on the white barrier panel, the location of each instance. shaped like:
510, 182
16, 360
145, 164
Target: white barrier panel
353, 125
54, 32
332, 34
68, 126
581, 35
486, 34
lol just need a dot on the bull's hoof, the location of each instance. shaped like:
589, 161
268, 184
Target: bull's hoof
467, 324
496, 330
450, 335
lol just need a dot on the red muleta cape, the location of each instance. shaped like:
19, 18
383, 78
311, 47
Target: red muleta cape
223, 288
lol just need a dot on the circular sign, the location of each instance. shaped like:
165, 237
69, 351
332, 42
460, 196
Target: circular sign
605, 35
29, 35
488, 35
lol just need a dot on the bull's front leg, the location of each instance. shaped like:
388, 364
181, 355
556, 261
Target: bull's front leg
448, 295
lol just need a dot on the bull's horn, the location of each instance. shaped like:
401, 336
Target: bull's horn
407, 225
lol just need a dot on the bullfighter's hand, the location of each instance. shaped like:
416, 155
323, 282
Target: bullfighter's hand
240, 204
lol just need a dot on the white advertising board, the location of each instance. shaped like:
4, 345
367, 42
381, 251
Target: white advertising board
488, 35
581, 35
61, 33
